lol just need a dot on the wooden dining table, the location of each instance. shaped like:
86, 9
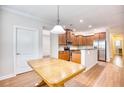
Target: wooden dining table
55, 72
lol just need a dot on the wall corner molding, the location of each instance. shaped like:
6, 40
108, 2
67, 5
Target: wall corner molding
25, 14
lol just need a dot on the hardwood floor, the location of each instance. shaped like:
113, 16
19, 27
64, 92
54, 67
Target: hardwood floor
118, 61
102, 74
87, 79
28, 79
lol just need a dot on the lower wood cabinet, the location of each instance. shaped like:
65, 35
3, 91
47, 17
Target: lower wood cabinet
64, 55
76, 57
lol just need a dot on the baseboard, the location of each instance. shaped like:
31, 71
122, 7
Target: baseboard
108, 60
7, 76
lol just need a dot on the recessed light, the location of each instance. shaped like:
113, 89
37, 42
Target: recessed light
63, 26
74, 30
90, 26
81, 21
94, 29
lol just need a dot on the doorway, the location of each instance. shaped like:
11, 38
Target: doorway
46, 44
117, 45
26, 47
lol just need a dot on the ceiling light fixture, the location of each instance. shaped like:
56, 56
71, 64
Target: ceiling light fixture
58, 29
64, 26
94, 29
74, 29
90, 26
81, 21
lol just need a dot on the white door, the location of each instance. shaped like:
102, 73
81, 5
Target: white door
27, 47
46, 43
46, 46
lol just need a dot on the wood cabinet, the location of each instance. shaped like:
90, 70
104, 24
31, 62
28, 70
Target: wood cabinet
102, 36
76, 57
89, 40
75, 40
96, 36
83, 40
62, 39
80, 40
64, 55
69, 34
65, 38
69, 37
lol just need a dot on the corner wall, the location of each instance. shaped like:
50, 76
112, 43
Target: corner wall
54, 46
7, 21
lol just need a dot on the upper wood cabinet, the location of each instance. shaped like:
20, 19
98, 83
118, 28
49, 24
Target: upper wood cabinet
69, 37
69, 34
65, 38
102, 36
89, 40
81, 40
75, 40
96, 36
62, 39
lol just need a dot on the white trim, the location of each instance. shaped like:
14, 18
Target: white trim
14, 42
108, 60
7, 76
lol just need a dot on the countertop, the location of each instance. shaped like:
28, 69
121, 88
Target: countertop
81, 49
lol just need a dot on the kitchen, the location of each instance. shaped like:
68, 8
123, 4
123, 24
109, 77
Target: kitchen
71, 45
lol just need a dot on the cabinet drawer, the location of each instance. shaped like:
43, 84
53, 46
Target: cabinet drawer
76, 57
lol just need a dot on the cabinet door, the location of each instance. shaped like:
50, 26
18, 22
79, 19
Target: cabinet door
76, 57
74, 40
102, 36
69, 36
84, 41
89, 40
62, 39
96, 36
64, 55
80, 40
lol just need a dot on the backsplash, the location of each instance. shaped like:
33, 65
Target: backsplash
61, 48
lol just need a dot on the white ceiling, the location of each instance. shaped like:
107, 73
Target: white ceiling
95, 15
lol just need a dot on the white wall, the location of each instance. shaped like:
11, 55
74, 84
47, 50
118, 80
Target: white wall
108, 49
54, 46
8, 20
0, 44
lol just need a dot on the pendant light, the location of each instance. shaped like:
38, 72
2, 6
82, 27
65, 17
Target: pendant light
58, 29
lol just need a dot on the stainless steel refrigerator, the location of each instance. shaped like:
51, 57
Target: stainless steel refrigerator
101, 46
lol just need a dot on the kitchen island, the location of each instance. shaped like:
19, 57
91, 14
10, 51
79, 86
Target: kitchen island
89, 57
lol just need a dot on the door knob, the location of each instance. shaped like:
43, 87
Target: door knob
18, 54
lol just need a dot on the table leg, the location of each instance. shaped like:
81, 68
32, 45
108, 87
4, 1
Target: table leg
60, 85
40, 84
